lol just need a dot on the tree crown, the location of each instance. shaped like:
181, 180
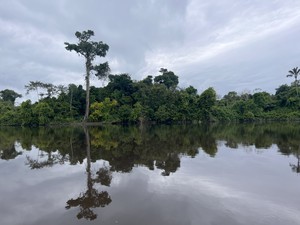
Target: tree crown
89, 49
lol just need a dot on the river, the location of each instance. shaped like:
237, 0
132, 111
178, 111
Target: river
182, 174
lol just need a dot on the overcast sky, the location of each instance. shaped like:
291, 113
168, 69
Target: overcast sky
230, 45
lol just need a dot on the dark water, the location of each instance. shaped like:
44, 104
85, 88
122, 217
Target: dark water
185, 175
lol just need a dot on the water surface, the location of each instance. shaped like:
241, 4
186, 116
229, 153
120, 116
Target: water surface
234, 174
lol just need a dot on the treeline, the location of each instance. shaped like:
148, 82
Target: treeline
153, 99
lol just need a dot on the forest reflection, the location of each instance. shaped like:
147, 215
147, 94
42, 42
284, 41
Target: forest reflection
124, 147
159, 147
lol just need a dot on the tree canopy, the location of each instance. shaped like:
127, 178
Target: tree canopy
8, 95
167, 78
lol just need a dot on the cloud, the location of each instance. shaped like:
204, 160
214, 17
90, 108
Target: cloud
230, 45
237, 44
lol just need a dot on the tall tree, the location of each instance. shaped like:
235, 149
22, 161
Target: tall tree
9, 95
294, 73
89, 50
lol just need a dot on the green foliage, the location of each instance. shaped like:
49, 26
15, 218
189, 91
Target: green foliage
205, 102
247, 110
162, 114
7, 113
263, 100
282, 94
27, 117
76, 99
157, 99
121, 82
86, 47
5, 106
49, 89
136, 113
191, 90
9, 95
286, 97
43, 112
168, 78
207, 99
187, 102
124, 113
148, 80
104, 111
248, 116
230, 98
295, 73
223, 114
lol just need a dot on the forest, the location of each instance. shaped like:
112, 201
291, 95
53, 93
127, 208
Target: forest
154, 99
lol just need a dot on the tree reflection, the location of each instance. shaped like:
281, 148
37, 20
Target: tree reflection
170, 165
208, 141
7, 145
51, 160
9, 153
91, 198
296, 167
156, 147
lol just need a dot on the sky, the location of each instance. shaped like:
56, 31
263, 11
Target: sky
230, 45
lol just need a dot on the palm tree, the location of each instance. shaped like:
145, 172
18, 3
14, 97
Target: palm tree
294, 73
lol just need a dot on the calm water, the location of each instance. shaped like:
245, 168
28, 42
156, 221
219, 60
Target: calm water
185, 175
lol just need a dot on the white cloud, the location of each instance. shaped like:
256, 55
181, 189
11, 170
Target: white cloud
212, 43
205, 43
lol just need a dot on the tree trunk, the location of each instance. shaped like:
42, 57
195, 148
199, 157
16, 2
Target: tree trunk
87, 98
296, 83
71, 101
